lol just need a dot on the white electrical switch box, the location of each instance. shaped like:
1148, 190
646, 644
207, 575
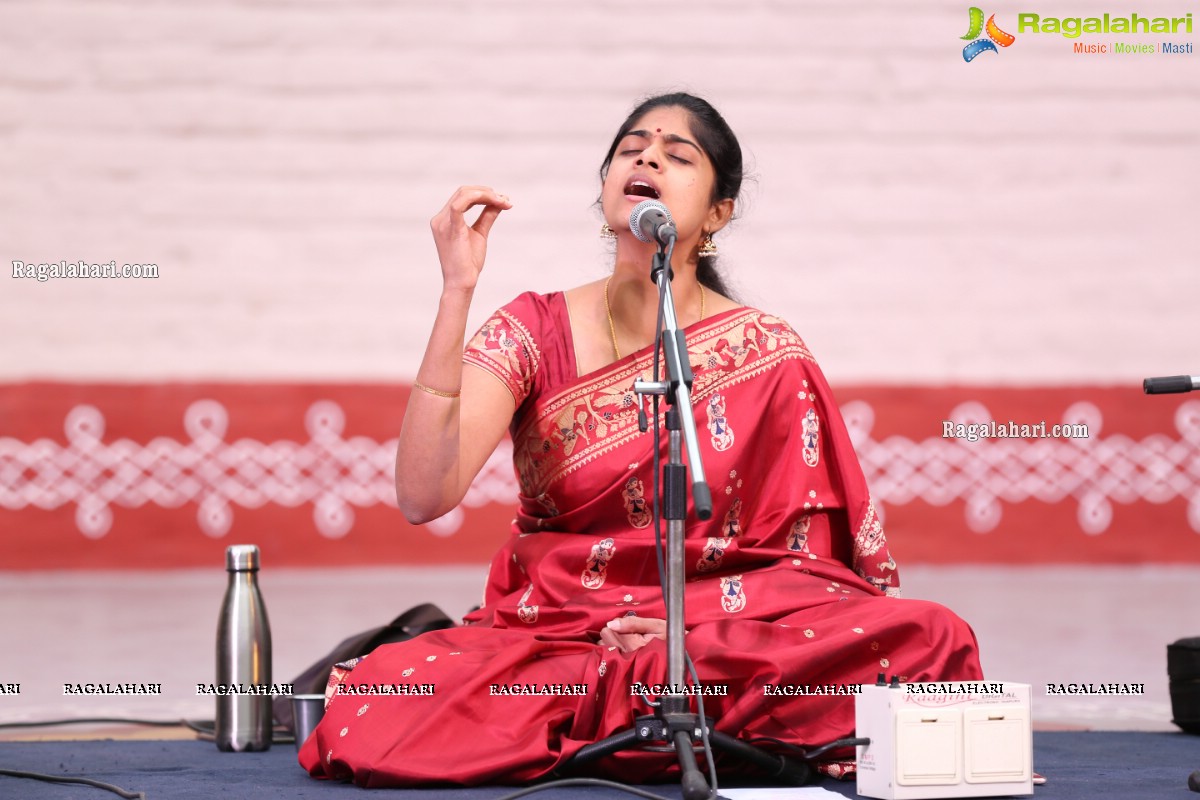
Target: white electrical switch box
939, 740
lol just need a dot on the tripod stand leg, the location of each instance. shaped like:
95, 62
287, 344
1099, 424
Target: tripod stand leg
623, 740
648, 730
691, 780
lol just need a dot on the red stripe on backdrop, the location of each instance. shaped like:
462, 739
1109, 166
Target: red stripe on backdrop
180, 471
159, 476
1127, 492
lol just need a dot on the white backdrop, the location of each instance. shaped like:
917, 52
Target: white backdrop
1028, 217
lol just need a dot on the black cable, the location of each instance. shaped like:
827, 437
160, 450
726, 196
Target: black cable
108, 787
583, 782
206, 731
202, 727
162, 723
808, 755
849, 742
708, 753
205, 728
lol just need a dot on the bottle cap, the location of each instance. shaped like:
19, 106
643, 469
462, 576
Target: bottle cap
241, 557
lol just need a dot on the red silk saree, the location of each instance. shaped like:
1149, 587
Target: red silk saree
790, 583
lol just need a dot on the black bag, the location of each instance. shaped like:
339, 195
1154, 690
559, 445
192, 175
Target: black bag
1183, 668
415, 621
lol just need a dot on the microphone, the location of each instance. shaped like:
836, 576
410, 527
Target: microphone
1175, 383
651, 222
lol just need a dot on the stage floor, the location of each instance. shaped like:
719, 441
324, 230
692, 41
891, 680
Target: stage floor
1078, 765
1036, 625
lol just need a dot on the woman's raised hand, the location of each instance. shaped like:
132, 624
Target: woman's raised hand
461, 247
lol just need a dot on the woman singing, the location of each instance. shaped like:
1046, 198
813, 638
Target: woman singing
789, 584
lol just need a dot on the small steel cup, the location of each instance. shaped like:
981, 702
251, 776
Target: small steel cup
307, 710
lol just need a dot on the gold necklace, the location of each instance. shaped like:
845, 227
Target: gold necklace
612, 328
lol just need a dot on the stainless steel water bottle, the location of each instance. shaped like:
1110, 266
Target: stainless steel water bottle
244, 719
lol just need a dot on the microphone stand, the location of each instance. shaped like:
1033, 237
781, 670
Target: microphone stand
673, 726
1176, 384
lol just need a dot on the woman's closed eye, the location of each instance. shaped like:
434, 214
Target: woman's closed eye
672, 156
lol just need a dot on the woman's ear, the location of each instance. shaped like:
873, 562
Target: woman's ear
719, 214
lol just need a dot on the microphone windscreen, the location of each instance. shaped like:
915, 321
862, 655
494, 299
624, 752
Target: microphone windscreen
1175, 383
645, 219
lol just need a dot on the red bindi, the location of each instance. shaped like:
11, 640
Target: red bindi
658, 130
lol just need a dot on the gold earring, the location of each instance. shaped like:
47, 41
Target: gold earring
607, 232
708, 247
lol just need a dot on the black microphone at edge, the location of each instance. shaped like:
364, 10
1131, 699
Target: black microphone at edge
1171, 385
651, 222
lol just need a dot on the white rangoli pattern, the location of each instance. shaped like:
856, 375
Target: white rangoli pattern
335, 474
330, 472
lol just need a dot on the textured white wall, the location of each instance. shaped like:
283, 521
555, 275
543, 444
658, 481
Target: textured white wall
1029, 217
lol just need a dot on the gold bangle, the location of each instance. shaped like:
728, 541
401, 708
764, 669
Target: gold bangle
437, 392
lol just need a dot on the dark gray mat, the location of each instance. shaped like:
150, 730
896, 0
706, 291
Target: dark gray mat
1078, 766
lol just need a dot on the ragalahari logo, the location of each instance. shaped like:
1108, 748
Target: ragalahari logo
995, 36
